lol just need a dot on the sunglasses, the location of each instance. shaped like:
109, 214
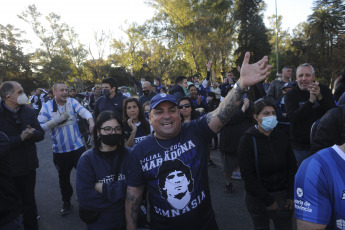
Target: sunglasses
185, 105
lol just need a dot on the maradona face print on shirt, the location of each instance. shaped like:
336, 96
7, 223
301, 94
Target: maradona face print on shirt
175, 183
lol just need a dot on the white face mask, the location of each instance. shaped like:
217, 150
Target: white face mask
269, 123
22, 99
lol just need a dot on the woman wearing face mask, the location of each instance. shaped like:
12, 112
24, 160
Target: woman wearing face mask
136, 127
146, 109
101, 185
268, 167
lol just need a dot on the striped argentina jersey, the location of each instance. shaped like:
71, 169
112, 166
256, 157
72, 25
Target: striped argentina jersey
320, 189
66, 136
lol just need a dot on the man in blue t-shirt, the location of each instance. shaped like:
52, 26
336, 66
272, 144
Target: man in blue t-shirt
320, 190
172, 161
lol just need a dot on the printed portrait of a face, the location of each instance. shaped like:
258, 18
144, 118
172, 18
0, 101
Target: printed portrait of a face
175, 183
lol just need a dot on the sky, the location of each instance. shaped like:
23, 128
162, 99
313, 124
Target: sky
88, 16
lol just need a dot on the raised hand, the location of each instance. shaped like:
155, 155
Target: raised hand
245, 105
199, 99
253, 73
208, 65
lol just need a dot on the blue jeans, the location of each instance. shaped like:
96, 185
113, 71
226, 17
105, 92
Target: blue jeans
300, 155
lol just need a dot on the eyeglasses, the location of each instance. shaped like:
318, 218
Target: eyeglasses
109, 129
185, 105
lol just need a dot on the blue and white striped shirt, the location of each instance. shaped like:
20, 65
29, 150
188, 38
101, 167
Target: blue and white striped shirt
66, 136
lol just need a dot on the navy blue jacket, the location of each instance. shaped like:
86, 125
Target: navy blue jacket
177, 91
144, 98
23, 157
95, 166
114, 104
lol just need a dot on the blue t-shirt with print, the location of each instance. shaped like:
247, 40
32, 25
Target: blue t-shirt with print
320, 189
175, 172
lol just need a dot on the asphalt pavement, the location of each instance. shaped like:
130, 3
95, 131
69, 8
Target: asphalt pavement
230, 211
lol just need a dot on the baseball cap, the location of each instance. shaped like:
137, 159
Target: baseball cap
159, 98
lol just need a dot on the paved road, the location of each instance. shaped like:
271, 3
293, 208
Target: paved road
230, 211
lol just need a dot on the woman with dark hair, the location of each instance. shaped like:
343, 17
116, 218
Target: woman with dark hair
187, 109
268, 167
136, 127
101, 185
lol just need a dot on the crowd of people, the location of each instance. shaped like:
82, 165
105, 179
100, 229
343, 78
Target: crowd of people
141, 161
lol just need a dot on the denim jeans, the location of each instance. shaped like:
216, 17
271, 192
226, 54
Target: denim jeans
282, 218
300, 155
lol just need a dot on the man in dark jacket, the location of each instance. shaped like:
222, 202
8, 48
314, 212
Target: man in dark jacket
112, 99
305, 104
148, 94
330, 130
177, 90
10, 206
20, 124
230, 136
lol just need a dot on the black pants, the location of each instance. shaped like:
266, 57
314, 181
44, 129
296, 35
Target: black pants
64, 163
25, 187
15, 224
282, 219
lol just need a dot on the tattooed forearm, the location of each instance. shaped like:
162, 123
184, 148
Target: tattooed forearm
229, 105
133, 201
227, 108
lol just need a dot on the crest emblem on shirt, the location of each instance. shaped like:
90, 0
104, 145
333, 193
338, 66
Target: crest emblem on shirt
343, 197
299, 192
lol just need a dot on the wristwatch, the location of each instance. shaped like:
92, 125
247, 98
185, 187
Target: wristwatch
238, 87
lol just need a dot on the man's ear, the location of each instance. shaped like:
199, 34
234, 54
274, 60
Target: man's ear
7, 96
150, 116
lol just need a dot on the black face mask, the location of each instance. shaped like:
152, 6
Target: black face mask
111, 139
146, 92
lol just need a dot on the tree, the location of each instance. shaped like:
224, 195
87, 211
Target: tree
61, 51
252, 34
326, 23
13, 62
285, 53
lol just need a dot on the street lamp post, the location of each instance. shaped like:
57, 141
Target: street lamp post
277, 39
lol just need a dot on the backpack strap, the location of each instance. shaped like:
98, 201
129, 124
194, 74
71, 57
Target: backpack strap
256, 158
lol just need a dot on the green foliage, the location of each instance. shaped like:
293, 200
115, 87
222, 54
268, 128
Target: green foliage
13, 61
252, 32
179, 40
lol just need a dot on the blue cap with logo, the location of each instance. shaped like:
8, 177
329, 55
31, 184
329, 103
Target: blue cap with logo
159, 98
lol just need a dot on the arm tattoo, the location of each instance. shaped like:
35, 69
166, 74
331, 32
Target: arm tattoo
133, 200
228, 107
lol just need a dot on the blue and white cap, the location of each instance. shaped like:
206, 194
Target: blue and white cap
159, 98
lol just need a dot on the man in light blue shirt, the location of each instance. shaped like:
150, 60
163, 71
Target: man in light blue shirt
59, 116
